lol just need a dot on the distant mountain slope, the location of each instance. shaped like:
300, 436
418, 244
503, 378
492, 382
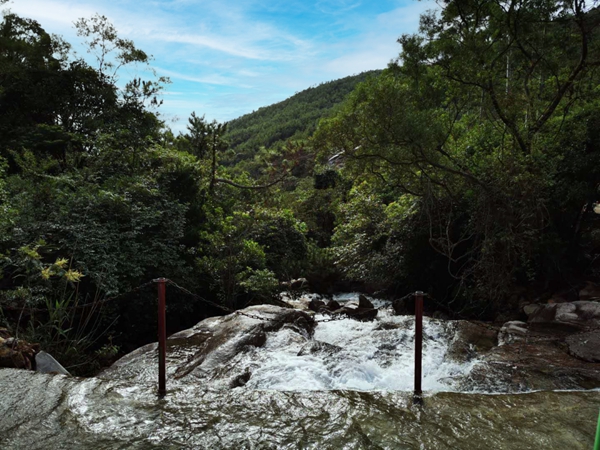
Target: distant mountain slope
296, 117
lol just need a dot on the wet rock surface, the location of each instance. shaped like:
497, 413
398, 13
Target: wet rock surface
537, 357
511, 332
559, 346
119, 414
212, 349
272, 377
471, 339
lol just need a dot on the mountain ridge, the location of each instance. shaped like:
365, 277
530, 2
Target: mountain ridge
293, 118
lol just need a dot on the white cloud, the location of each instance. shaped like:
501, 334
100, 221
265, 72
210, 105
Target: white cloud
227, 58
215, 43
211, 79
50, 12
377, 46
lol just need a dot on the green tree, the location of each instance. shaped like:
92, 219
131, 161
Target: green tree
467, 121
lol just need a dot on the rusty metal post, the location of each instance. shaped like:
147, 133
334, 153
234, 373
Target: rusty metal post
418, 345
162, 337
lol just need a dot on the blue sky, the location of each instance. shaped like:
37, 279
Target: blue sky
228, 58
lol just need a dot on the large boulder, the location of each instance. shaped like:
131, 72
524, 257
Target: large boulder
364, 302
333, 305
211, 349
401, 308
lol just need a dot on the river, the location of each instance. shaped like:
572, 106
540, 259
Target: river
241, 383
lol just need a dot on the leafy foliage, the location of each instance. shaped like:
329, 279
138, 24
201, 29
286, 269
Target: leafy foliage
469, 168
295, 118
469, 120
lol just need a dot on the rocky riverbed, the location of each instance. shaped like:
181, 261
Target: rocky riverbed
274, 377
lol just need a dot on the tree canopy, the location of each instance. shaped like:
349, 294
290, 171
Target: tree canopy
469, 168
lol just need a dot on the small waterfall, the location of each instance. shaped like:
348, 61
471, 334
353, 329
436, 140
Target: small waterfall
365, 356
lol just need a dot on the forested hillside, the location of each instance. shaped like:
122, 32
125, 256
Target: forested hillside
469, 168
295, 118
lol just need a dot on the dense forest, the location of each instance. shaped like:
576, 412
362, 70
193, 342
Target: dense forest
469, 168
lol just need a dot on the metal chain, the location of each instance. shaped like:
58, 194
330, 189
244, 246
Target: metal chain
252, 316
341, 316
216, 305
83, 306
202, 299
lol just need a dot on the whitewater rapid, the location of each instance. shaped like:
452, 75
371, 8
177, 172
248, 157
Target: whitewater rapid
364, 356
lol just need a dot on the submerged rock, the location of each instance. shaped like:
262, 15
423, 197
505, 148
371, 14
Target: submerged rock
319, 347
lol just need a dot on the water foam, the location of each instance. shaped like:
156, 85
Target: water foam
348, 354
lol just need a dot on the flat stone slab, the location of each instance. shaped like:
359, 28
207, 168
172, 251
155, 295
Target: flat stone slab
585, 346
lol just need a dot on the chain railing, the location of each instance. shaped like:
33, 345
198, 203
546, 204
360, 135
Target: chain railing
223, 308
92, 304
356, 313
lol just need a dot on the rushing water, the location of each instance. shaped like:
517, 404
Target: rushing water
365, 356
346, 386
